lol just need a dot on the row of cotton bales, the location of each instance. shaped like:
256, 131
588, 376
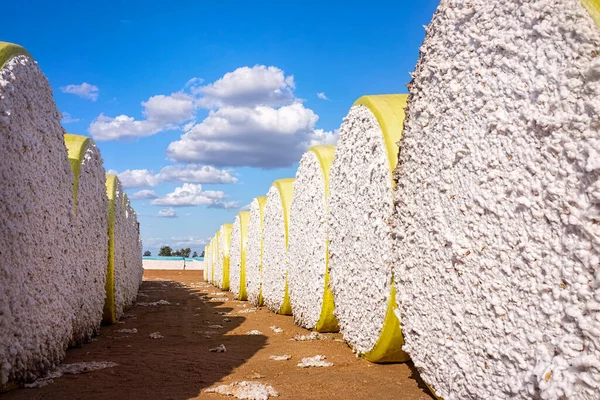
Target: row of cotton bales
472, 242
71, 252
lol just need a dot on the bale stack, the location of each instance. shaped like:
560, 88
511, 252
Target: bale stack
39, 250
222, 270
237, 255
498, 202
360, 237
91, 225
254, 251
275, 244
310, 295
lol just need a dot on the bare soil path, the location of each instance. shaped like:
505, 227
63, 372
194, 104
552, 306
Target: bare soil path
180, 366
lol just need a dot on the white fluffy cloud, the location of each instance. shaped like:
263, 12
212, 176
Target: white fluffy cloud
68, 118
191, 173
190, 194
194, 243
322, 96
247, 87
161, 112
144, 195
254, 120
84, 90
258, 137
167, 213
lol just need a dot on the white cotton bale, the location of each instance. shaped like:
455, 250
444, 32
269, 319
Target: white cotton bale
497, 202
36, 236
254, 251
222, 274
132, 254
91, 230
237, 255
206, 261
310, 295
360, 237
275, 244
116, 274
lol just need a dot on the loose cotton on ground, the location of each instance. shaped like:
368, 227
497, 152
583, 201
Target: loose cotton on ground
310, 297
360, 240
36, 204
254, 251
498, 202
275, 242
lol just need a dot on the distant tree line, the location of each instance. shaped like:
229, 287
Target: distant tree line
167, 251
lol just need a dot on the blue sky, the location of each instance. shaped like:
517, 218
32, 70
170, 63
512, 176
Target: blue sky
199, 106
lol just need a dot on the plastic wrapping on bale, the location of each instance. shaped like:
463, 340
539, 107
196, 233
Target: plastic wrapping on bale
237, 255
497, 202
222, 273
275, 244
36, 205
360, 236
91, 231
310, 295
254, 251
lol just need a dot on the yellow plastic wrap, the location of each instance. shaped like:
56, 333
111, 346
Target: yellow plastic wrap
217, 250
244, 221
109, 315
327, 321
76, 145
389, 111
285, 187
225, 241
593, 8
10, 50
262, 200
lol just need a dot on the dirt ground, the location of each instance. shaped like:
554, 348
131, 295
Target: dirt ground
180, 365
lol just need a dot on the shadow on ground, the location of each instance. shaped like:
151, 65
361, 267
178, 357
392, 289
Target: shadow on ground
177, 366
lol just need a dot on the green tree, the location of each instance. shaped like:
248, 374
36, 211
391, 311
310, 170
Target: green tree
176, 253
185, 252
147, 253
165, 251
202, 255
195, 254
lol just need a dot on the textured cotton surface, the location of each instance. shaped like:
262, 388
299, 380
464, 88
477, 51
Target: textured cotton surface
133, 255
253, 253
89, 277
222, 277
36, 208
360, 244
497, 202
235, 257
274, 252
307, 242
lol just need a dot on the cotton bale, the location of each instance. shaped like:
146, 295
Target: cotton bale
275, 244
310, 295
360, 236
237, 255
222, 273
36, 236
497, 202
91, 230
254, 251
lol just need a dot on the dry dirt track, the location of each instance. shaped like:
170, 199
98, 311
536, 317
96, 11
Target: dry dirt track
179, 366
